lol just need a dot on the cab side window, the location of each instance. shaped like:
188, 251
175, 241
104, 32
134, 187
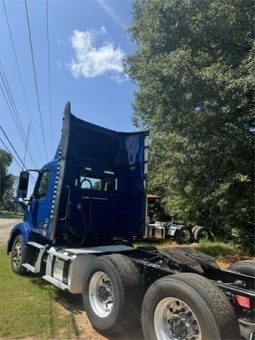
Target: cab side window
97, 184
43, 185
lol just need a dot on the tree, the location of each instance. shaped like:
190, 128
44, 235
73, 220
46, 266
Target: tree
194, 71
6, 180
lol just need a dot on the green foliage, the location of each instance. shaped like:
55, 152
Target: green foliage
194, 69
6, 180
219, 249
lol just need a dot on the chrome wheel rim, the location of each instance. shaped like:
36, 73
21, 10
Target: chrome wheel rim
174, 320
17, 255
101, 294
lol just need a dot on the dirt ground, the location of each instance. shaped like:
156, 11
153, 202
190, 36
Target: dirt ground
72, 304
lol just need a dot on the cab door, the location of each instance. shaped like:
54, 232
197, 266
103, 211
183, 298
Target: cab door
40, 205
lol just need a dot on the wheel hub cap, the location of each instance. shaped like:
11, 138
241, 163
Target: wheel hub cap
17, 255
178, 327
101, 294
174, 320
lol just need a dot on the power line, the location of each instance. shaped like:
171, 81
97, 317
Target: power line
11, 113
14, 110
11, 102
13, 148
7, 149
49, 69
13, 116
20, 77
35, 79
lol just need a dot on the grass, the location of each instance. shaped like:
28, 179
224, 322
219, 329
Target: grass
28, 307
219, 248
224, 253
10, 214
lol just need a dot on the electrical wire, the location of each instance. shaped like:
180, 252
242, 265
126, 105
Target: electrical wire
49, 70
8, 99
15, 151
20, 77
35, 79
15, 160
14, 110
8, 150
13, 148
10, 109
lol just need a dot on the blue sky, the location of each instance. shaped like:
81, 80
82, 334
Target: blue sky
88, 40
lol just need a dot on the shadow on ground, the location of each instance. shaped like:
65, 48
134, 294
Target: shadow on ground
74, 305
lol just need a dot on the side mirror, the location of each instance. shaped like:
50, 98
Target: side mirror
23, 184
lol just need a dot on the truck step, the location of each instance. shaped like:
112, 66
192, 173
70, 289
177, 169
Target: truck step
29, 267
37, 267
56, 282
59, 255
36, 245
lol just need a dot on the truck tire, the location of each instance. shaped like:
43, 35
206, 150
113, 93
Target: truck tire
202, 233
187, 306
18, 255
246, 267
112, 294
194, 229
183, 235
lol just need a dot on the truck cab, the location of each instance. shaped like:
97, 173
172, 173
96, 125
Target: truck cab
93, 192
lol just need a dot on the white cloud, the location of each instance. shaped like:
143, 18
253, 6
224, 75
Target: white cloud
91, 61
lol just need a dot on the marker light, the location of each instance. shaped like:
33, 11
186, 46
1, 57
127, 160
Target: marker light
243, 301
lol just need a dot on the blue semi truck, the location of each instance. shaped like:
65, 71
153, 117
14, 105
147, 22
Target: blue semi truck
87, 207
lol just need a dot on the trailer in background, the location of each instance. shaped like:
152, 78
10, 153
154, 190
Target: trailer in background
161, 225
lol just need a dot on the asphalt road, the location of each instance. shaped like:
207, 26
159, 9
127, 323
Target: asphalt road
6, 225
